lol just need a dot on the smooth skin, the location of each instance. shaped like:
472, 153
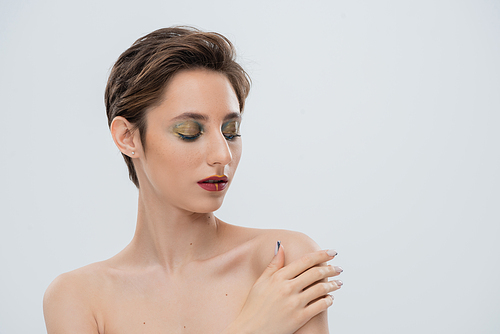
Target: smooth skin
186, 271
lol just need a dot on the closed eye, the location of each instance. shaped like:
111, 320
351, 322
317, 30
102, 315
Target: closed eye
188, 137
231, 136
188, 130
231, 130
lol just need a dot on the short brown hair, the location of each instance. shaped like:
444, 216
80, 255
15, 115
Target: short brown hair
139, 76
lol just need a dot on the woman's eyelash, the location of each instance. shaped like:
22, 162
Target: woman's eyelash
231, 136
187, 137
191, 138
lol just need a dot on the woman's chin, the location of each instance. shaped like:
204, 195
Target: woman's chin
207, 206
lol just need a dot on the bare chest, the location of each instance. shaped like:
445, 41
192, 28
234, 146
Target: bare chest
202, 303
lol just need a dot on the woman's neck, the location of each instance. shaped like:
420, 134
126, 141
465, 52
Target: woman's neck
172, 237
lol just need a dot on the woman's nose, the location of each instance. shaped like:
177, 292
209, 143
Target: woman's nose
219, 151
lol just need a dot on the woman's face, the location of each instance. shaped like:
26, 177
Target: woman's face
193, 144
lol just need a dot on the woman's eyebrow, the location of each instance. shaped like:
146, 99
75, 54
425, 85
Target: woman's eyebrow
202, 117
191, 115
232, 115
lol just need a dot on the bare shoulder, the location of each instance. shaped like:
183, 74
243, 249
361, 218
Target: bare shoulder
69, 301
295, 244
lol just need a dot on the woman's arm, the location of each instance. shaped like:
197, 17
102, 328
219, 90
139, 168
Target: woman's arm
300, 245
289, 299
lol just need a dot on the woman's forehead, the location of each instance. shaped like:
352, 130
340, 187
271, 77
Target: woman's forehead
200, 94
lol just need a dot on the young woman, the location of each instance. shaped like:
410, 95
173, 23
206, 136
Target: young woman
174, 101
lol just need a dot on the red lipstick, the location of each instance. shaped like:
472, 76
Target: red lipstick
214, 183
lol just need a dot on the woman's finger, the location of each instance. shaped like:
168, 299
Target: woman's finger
315, 274
318, 306
320, 289
276, 263
307, 261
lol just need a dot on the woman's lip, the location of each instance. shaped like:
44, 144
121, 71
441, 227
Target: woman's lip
214, 186
222, 178
218, 186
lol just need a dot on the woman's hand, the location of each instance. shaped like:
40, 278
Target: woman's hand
283, 299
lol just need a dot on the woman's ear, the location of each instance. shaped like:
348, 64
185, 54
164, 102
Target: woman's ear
125, 138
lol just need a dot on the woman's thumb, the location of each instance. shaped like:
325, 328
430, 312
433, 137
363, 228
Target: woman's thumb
276, 263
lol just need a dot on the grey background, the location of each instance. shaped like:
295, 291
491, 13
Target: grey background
372, 126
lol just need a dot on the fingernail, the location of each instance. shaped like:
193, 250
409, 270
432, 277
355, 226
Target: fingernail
331, 252
278, 244
338, 269
339, 283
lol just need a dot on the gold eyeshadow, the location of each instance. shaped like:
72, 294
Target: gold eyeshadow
231, 129
188, 130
